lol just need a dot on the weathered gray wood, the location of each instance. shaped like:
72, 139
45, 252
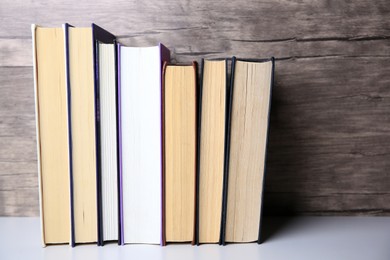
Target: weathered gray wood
329, 144
329, 128
15, 52
226, 20
348, 204
18, 52
18, 165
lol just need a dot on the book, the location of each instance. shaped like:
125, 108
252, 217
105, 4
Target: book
107, 97
180, 139
140, 72
105, 70
85, 184
250, 100
51, 111
212, 124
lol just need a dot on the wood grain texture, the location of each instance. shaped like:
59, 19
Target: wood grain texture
329, 146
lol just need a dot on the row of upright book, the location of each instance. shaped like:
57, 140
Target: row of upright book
134, 149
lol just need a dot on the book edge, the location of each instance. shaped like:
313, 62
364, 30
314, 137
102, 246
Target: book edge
163, 234
228, 106
65, 27
199, 127
259, 239
37, 132
119, 131
196, 91
164, 59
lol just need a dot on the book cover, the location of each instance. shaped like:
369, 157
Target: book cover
119, 149
98, 35
103, 36
66, 44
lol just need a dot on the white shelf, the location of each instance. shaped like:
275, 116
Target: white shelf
313, 238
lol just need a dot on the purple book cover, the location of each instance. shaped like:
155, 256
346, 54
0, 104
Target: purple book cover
165, 57
99, 35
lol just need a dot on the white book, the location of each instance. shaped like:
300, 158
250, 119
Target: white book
140, 71
108, 140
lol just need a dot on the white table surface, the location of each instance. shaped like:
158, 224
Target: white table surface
313, 238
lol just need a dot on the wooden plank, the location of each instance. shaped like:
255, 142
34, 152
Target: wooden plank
18, 165
330, 135
17, 91
17, 149
327, 204
19, 202
244, 20
17, 52
17, 125
17, 104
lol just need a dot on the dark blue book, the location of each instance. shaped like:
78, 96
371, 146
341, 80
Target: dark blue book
247, 136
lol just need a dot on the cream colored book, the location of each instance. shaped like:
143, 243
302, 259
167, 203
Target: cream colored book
180, 125
212, 149
83, 150
251, 92
51, 103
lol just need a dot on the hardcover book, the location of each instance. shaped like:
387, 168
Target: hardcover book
107, 136
250, 100
51, 111
213, 107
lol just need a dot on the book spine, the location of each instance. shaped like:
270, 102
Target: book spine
199, 127
34, 52
99, 35
165, 58
163, 237
120, 172
99, 199
197, 155
228, 109
72, 223
259, 240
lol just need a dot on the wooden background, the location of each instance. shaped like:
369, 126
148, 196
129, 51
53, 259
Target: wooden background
329, 148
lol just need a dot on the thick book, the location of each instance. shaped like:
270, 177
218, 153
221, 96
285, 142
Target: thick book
249, 110
213, 107
140, 104
179, 144
51, 111
85, 179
